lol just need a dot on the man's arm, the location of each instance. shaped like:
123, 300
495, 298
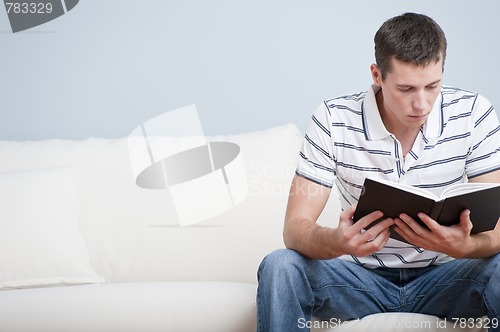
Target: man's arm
301, 232
456, 240
492, 177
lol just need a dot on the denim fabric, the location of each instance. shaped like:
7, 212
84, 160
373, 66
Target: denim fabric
292, 288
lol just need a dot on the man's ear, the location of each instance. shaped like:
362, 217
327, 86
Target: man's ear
376, 74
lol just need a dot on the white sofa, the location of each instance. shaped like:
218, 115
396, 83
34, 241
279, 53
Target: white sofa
83, 248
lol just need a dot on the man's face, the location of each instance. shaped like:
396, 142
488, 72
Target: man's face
408, 93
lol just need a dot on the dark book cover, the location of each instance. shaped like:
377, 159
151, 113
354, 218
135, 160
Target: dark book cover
484, 205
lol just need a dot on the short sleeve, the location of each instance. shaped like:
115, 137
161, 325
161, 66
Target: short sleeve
484, 153
317, 161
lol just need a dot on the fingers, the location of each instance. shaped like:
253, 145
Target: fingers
371, 240
361, 231
361, 242
369, 244
367, 220
409, 225
435, 236
411, 230
404, 230
381, 240
376, 230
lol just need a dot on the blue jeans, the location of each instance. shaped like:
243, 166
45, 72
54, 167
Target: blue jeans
292, 288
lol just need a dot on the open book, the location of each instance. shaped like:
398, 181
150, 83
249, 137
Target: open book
482, 199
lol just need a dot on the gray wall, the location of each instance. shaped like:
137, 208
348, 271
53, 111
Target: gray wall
107, 66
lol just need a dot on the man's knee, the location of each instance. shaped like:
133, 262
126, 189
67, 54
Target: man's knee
280, 261
496, 259
493, 266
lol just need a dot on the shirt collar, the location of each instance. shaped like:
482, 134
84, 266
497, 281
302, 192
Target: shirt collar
434, 126
375, 129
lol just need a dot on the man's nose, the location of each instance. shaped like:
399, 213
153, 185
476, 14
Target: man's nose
419, 100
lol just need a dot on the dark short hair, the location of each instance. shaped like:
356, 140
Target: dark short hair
413, 38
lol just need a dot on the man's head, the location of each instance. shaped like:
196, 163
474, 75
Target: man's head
410, 51
412, 38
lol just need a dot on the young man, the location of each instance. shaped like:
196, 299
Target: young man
406, 128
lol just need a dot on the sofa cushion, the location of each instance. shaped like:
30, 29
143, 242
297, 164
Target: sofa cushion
173, 306
40, 243
133, 234
176, 306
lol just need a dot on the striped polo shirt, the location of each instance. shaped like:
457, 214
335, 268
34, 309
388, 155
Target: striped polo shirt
347, 142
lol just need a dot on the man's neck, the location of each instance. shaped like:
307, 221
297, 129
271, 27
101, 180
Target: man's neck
407, 139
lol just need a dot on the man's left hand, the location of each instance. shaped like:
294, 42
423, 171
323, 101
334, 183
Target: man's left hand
455, 241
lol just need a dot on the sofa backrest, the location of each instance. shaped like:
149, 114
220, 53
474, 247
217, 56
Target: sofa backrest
133, 234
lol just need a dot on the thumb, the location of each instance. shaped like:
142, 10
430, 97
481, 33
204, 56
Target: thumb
347, 214
465, 221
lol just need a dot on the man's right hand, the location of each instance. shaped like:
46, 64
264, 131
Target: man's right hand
301, 232
351, 239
